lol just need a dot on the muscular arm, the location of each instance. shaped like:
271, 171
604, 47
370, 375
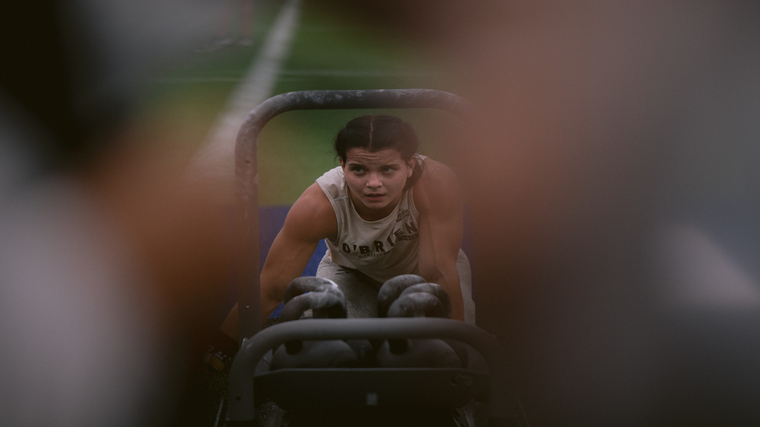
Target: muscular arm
310, 220
439, 200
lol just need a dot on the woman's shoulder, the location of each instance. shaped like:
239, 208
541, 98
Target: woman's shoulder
436, 176
332, 181
333, 175
313, 214
438, 185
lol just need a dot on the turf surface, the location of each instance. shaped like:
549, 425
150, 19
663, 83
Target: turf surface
332, 51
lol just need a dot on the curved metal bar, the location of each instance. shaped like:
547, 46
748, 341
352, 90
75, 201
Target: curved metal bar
246, 170
241, 405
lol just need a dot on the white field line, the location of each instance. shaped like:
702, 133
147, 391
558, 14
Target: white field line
215, 161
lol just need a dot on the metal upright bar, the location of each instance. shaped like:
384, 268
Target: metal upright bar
246, 169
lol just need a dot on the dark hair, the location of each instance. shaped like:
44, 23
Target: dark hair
377, 133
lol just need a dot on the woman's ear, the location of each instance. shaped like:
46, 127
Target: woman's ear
342, 165
410, 167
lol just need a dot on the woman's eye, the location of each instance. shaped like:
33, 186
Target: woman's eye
357, 169
387, 169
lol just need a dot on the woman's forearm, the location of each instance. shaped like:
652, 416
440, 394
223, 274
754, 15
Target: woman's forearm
450, 283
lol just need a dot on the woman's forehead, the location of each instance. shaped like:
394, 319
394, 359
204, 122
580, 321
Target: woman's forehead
362, 155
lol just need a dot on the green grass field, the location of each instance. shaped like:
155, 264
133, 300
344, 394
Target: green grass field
330, 50
182, 100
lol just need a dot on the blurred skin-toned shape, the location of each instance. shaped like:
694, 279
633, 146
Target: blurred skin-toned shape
105, 279
108, 270
612, 178
583, 163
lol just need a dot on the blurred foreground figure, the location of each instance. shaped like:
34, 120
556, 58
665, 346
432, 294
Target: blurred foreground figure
81, 349
103, 268
615, 186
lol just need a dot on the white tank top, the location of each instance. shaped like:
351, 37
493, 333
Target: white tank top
380, 249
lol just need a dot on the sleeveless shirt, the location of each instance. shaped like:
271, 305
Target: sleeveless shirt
380, 249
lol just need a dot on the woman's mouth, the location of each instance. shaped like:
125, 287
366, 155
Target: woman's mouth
373, 197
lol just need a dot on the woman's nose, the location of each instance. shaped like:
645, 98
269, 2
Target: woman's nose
374, 181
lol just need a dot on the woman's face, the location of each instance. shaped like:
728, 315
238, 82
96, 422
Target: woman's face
376, 180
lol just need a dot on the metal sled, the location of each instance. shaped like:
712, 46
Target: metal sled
358, 389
